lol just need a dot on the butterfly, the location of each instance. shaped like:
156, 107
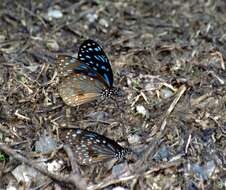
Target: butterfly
91, 148
86, 78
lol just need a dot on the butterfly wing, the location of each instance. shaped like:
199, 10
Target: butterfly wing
102, 148
77, 89
91, 53
91, 147
68, 65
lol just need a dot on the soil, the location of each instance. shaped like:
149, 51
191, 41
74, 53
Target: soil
168, 58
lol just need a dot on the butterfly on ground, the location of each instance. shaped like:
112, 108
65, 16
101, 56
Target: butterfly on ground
86, 78
91, 148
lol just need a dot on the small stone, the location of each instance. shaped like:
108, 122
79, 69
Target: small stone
142, 110
166, 93
134, 139
98, 116
54, 13
205, 171
28, 176
2, 38
120, 170
91, 17
45, 144
119, 188
11, 187
54, 166
163, 154
52, 45
104, 23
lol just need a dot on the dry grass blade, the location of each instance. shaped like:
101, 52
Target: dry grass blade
181, 91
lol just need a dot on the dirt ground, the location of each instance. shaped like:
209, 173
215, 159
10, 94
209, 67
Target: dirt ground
168, 57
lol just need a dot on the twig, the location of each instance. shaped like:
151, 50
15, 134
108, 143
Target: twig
197, 101
221, 81
73, 179
72, 159
219, 54
188, 143
22, 117
172, 106
49, 109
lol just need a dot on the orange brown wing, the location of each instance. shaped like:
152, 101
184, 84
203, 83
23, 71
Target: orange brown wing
68, 65
77, 89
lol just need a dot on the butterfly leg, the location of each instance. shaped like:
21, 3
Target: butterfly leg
102, 100
117, 105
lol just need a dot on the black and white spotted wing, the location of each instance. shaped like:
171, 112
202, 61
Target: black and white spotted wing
91, 147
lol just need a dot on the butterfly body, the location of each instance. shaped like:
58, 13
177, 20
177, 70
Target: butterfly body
86, 78
91, 148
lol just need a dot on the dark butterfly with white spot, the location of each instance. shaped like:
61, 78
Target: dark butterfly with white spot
91, 148
86, 78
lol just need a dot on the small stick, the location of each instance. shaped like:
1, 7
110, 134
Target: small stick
188, 143
172, 106
72, 159
219, 54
